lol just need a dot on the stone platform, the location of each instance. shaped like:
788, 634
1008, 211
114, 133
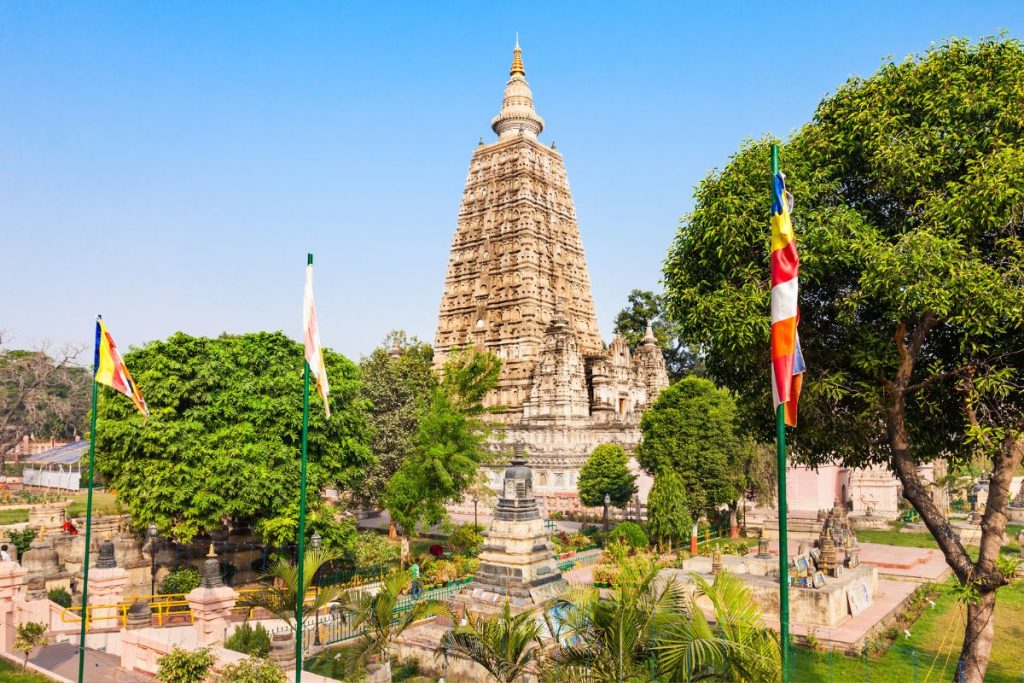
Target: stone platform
897, 563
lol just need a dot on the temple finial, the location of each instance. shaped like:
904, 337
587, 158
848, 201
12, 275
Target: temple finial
518, 69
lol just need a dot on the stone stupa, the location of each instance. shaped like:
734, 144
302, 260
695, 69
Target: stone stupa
517, 563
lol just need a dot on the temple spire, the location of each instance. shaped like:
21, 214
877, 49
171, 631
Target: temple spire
517, 115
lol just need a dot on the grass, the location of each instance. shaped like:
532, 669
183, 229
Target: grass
13, 516
936, 639
11, 673
102, 504
922, 539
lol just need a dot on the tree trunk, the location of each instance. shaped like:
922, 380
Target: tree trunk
392, 529
734, 527
978, 638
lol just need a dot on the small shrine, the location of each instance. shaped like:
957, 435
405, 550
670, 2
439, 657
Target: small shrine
837, 524
517, 563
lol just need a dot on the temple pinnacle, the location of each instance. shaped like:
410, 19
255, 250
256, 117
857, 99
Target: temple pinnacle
518, 69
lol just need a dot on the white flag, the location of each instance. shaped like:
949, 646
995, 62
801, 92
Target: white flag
311, 337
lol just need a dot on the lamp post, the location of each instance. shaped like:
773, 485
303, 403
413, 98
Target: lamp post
607, 502
152, 531
314, 542
476, 499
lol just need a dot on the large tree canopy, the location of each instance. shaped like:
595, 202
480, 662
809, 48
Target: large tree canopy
223, 441
606, 473
449, 443
398, 380
909, 215
691, 431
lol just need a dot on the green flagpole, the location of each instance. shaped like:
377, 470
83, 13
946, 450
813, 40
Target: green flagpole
88, 515
780, 451
300, 592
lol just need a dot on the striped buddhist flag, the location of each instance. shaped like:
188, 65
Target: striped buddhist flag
787, 360
311, 338
110, 370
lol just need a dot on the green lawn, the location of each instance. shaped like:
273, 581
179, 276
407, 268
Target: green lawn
9, 673
102, 504
13, 515
935, 639
922, 539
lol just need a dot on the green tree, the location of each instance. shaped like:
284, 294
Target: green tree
397, 379
668, 519
910, 224
281, 597
606, 472
223, 439
506, 646
449, 444
382, 625
645, 308
30, 636
733, 646
691, 431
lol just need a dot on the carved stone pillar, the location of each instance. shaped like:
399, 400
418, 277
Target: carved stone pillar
107, 582
211, 603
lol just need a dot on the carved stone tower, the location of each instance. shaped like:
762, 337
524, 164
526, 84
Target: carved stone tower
517, 285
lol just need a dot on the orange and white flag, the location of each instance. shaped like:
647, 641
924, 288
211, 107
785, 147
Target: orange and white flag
311, 339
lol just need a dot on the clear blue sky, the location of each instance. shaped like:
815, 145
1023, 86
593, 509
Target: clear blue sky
169, 164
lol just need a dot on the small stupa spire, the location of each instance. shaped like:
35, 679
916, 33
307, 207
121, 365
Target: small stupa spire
518, 69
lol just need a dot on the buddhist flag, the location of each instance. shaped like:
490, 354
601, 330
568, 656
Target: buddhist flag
111, 370
311, 337
787, 360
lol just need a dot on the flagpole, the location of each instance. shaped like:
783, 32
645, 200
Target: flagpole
780, 452
88, 518
301, 562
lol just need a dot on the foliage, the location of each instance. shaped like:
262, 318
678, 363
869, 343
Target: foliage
43, 395
449, 443
647, 307
606, 472
466, 538
668, 519
611, 637
441, 571
22, 538
223, 439
253, 670
630, 533
909, 221
381, 624
506, 646
692, 430
180, 580
466, 566
60, 596
373, 550
29, 636
607, 574
734, 646
185, 666
281, 599
399, 389
249, 640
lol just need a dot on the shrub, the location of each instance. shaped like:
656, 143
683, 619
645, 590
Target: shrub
606, 573
442, 571
253, 670
181, 580
60, 596
22, 539
184, 666
614, 552
466, 538
372, 551
249, 640
577, 541
466, 566
30, 635
631, 534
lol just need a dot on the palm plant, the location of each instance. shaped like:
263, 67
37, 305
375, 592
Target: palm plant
382, 622
612, 637
506, 646
281, 598
735, 647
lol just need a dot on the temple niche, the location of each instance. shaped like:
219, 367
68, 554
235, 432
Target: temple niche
517, 285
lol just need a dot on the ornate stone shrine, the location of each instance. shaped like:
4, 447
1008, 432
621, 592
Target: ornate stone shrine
516, 564
517, 286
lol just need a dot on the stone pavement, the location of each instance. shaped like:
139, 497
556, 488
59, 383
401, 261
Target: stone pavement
100, 667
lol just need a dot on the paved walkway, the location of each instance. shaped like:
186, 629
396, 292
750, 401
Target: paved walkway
100, 667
